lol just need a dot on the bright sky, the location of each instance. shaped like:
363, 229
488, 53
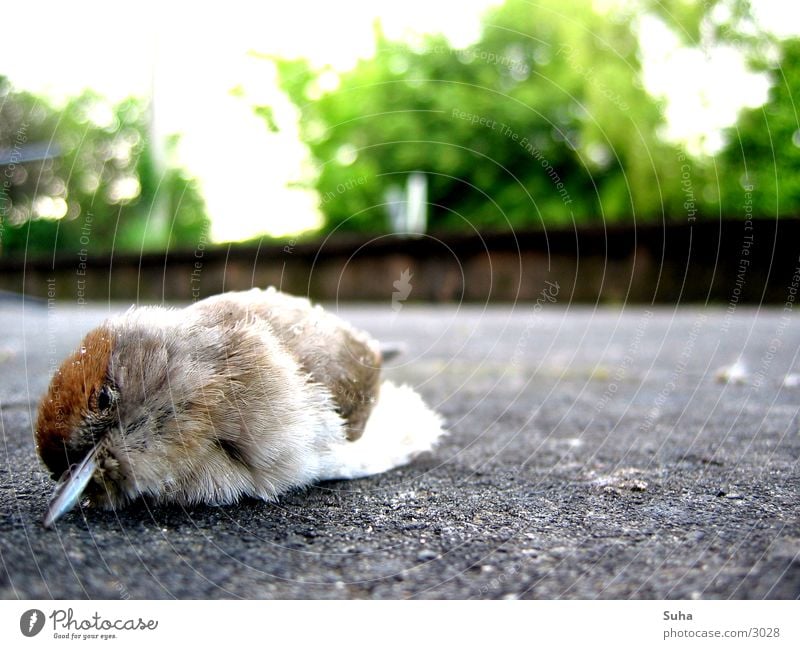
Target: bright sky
193, 55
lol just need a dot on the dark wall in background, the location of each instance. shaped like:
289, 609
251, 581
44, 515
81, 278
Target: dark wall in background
741, 261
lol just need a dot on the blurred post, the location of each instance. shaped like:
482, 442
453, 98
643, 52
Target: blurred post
158, 223
408, 213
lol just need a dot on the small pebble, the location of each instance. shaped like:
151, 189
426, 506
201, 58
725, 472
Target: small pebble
791, 380
736, 373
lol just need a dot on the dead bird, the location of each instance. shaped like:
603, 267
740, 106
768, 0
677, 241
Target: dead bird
247, 393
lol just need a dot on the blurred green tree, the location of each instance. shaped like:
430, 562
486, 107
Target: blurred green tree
83, 177
542, 121
758, 166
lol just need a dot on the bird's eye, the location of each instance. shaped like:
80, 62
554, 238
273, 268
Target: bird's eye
104, 399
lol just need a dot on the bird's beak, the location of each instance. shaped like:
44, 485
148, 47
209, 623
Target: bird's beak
70, 486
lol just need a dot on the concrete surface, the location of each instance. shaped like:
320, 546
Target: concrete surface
593, 453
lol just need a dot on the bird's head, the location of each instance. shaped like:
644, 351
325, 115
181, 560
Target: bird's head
120, 419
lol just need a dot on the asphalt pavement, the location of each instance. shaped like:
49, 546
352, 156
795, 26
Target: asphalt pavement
592, 453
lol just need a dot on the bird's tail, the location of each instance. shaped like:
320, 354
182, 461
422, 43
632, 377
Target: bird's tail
390, 351
399, 428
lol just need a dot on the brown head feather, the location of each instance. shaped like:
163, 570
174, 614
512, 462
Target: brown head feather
66, 403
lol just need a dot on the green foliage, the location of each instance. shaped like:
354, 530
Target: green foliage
542, 121
706, 23
98, 189
763, 150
